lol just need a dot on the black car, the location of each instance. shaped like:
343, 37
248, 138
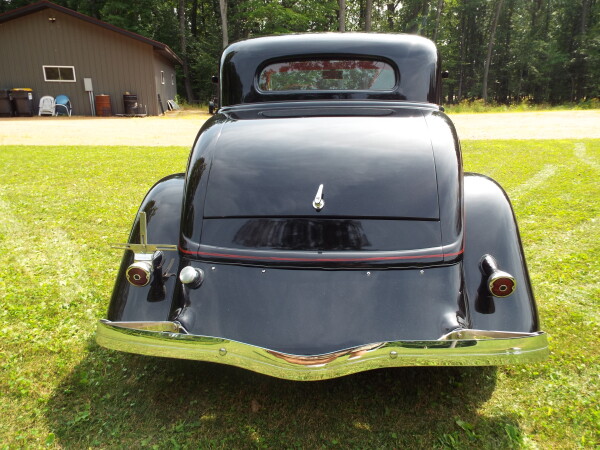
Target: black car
324, 225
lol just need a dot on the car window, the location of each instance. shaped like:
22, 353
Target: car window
328, 75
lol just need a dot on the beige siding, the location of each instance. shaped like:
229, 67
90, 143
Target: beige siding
115, 63
168, 90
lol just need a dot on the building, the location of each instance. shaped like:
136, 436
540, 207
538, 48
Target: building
55, 50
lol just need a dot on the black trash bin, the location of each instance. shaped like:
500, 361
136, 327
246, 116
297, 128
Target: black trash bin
6, 109
22, 101
131, 104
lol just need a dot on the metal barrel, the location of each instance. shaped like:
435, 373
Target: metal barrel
103, 107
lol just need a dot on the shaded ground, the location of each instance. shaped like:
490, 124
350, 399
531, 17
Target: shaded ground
181, 130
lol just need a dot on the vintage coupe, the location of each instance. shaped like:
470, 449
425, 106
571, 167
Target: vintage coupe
324, 225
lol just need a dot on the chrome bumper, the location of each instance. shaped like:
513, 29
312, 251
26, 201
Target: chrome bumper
459, 348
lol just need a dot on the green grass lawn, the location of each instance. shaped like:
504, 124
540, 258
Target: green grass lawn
61, 207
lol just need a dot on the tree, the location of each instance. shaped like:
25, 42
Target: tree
368, 15
542, 50
184, 58
488, 58
224, 28
438, 16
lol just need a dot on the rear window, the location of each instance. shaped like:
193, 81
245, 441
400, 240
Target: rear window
328, 75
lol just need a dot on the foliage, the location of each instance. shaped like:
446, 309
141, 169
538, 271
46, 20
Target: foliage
546, 51
62, 207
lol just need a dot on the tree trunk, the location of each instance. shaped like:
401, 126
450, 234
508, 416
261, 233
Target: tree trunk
461, 64
391, 9
585, 9
413, 18
438, 15
223, 8
194, 18
342, 15
186, 69
368, 15
548, 18
486, 70
425, 7
581, 60
95, 9
504, 93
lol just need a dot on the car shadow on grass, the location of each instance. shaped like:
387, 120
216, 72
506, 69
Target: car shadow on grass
113, 399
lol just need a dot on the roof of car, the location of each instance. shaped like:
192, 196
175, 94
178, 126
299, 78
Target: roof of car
415, 57
351, 42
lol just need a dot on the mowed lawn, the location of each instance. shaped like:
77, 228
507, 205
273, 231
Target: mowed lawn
61, 207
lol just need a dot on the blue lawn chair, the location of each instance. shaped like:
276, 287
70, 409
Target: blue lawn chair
63, 105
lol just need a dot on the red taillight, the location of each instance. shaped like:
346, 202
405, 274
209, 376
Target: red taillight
139, 273
502, 286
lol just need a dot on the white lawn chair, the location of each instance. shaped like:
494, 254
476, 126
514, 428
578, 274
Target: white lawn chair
47, 106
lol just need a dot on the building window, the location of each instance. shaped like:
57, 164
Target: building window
162, 77
60, 74
172, 79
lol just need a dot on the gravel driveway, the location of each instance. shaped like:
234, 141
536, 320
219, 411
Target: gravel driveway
529, 125
181, 130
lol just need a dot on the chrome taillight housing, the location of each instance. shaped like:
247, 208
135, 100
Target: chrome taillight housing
140, 273
502, 284
146, 257
499, 283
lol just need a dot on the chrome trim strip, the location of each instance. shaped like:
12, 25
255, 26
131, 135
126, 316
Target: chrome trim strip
459, 348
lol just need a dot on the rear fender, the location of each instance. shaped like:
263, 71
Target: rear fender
162, 206
491, 229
